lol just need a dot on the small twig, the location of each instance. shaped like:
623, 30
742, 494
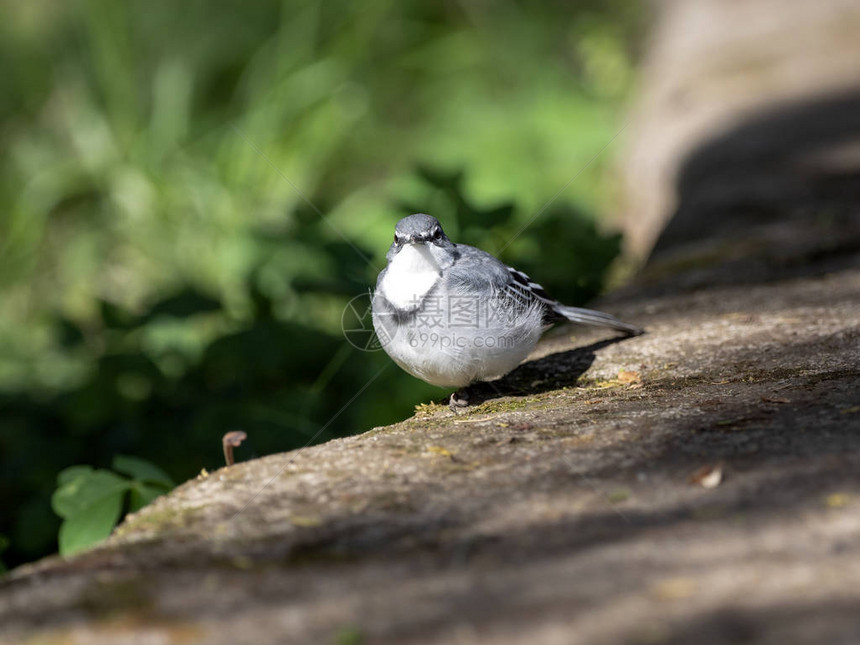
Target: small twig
232, 440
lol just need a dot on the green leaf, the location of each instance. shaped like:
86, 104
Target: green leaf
142, 494
71, 473
91, 501
141, 470
91, 525
81, 492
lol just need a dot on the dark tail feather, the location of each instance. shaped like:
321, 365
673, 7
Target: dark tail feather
597, 318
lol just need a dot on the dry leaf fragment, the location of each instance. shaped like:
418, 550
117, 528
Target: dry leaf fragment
708, 476
837, 500
674, 588
439, 450
629, 376
475, 420
618, 495
426, 409
739, 317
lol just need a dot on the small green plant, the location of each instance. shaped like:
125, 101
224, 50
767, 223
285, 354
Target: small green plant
91, 501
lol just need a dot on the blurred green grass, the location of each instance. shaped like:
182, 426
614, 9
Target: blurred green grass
164, 273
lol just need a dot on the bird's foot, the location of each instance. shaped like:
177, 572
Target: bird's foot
458, 401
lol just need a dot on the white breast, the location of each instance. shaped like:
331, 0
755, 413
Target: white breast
410, 275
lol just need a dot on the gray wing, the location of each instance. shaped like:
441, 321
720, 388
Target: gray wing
478, 270
557, 312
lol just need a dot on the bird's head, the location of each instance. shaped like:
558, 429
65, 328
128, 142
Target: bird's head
421, 231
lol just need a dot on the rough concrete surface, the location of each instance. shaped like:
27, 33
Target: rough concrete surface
695, 484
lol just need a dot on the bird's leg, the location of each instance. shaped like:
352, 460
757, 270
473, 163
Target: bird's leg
459, 400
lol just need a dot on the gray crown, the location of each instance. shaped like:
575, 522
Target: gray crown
418, 226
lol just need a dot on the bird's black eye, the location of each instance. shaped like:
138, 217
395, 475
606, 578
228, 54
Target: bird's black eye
395, 238
437, 233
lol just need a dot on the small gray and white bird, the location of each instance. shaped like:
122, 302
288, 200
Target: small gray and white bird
452, 314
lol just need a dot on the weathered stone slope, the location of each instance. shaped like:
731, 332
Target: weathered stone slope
559, 510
